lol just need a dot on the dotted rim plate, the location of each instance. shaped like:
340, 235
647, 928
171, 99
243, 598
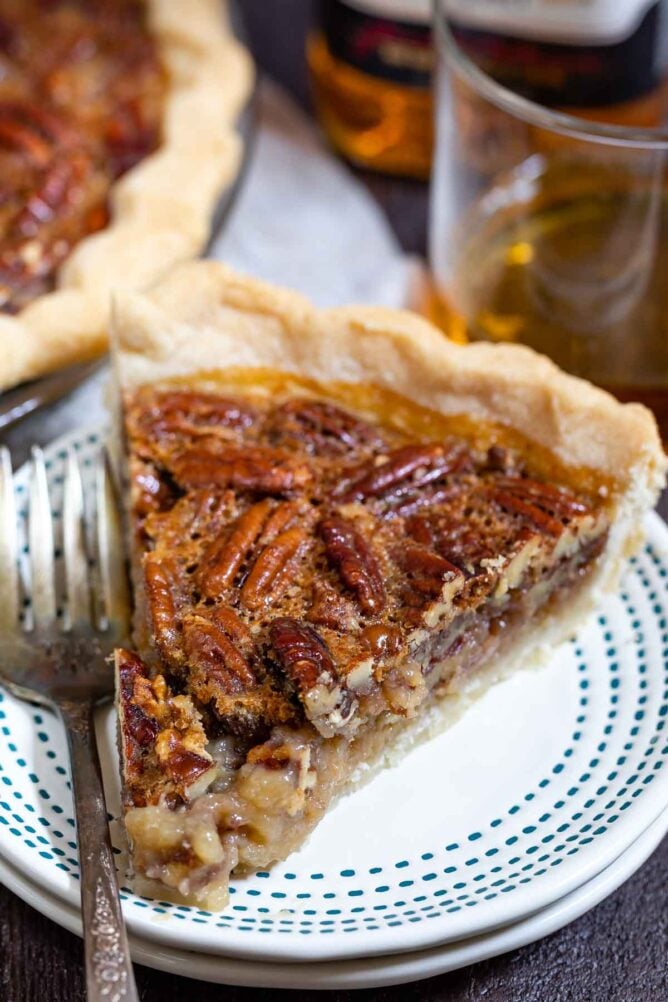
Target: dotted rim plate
371, 972
543, 783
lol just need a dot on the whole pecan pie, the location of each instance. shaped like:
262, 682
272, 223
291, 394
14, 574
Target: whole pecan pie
341, 527
116, 138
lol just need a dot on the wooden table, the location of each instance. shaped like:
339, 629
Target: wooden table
615, 953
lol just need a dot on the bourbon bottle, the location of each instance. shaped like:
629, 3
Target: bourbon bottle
371, 64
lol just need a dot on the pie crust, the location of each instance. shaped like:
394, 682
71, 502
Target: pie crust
205, 317
161, 209
200, 799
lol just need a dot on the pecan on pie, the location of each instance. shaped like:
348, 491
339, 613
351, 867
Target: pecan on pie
116, 139
341, 526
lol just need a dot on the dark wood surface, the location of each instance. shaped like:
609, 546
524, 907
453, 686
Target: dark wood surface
615, 953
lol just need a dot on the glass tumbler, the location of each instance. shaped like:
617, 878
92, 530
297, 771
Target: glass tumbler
550, 230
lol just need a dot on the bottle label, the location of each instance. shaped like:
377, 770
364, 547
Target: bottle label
388, 47
572, 22
568, 75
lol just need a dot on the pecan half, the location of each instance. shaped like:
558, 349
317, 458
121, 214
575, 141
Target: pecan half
382, 641
321, 428
428, 571
329, 608
189, 412
200, 514
517, 506
162, 740
273, 570
135, 696
138, 726
253, 468
19, 134
213, 646
164, 599
467, 531
307, 664
410, 466
223, 558
225, 675
424, 497
557, 500
51, 195
350, 554
183, 765
541, 504
149, 489
284, 516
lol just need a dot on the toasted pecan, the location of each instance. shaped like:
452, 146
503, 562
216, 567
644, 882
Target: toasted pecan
223, 557
160, 583
271, 573
427, 570
330, 608
352, 556
162, 739
252, 468
213, 645
409, 466
305, 660
182, 414
321, 428
540, 504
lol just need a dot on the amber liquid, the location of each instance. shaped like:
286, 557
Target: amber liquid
374, 123
577, 268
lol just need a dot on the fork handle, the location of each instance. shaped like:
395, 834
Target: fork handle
109, 974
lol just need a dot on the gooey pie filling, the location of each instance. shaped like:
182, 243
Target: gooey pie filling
314, 566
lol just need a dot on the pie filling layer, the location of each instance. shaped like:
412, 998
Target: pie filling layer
315, 568
81, 90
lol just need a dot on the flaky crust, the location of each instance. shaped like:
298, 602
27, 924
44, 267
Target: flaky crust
161, 209
205, 317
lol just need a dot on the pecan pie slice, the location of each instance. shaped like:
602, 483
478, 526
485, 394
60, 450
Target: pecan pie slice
116, 139
333, 545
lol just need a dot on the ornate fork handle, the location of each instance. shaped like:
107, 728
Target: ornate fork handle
108, 967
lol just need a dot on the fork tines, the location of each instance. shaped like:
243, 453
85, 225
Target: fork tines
75, 553
95, 585
9, 573
41, 544
113, 581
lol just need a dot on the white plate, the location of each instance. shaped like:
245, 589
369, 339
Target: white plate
374, 972
540, 786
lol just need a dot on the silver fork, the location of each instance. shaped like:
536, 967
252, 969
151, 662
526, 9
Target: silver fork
59, 659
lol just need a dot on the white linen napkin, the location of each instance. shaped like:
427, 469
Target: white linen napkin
303, 220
